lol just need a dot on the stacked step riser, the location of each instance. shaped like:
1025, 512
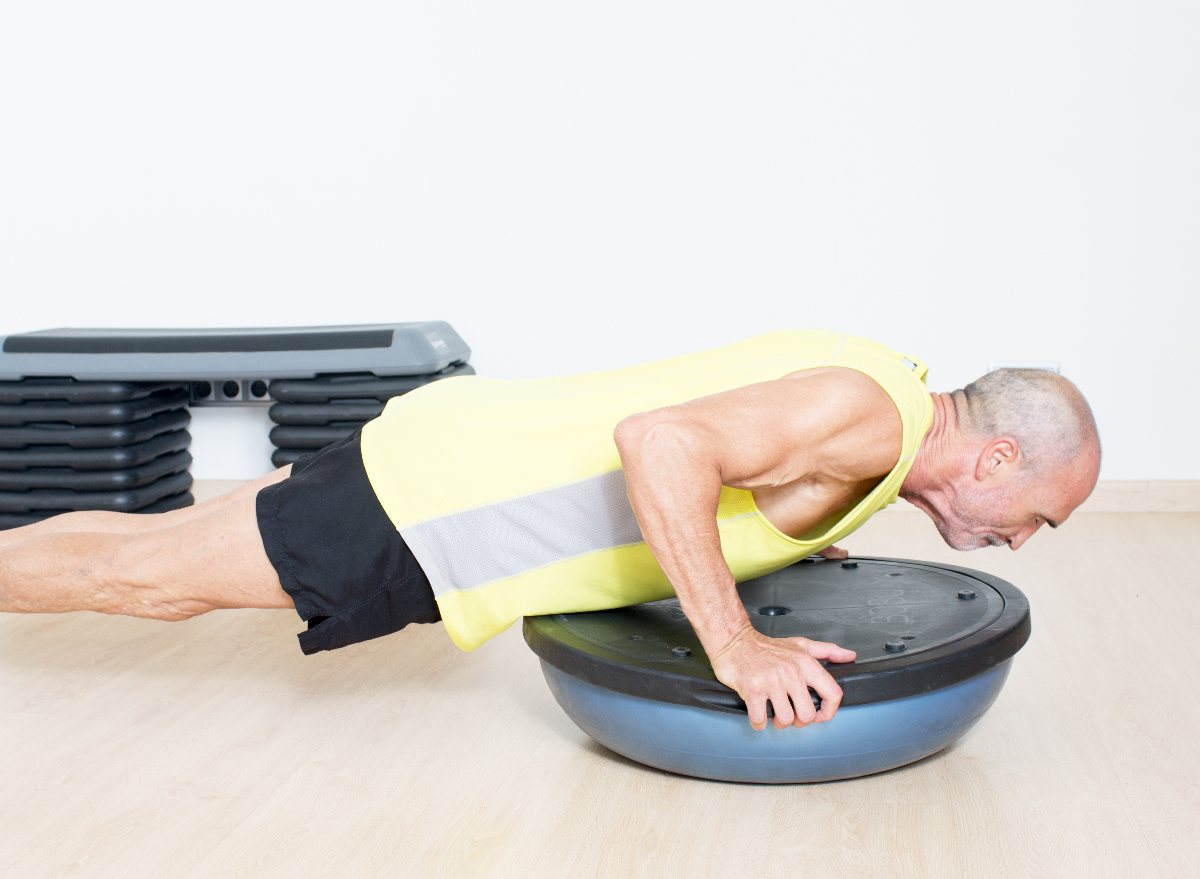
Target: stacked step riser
69, 445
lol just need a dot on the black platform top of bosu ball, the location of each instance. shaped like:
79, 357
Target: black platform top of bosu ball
916, 627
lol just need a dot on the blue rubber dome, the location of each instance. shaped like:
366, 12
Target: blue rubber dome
934, 645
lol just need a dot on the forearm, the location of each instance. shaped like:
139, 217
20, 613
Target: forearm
674, 488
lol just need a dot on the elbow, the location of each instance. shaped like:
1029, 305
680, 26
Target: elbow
630, 433
649, 434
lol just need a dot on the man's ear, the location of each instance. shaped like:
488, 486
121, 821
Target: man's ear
999, 459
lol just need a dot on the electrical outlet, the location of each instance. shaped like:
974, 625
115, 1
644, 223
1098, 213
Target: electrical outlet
1023, 364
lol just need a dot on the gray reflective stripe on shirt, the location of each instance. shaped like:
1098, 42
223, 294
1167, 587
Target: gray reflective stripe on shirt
469, 549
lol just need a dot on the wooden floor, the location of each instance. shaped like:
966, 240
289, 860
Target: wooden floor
214, 748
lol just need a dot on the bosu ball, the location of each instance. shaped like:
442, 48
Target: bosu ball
934, 645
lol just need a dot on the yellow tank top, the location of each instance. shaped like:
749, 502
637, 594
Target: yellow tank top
512, 498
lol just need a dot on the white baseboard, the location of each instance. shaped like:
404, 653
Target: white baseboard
1144, 496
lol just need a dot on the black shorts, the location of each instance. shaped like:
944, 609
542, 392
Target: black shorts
340, 558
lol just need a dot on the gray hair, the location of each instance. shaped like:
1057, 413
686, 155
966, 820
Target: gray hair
1044, 412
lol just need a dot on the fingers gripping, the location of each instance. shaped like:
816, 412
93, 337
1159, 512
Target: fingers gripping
766, 710
756, 709
804, 711
777, 679
783, 711
823, 683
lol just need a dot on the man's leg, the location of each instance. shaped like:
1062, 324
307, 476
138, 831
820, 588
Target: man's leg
212, 557
130, 523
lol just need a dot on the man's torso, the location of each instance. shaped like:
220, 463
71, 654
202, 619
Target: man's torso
511, 493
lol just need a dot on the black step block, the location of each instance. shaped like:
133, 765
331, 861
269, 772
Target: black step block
69, 390
287, 437
342, 387
94, 480
113, 458
53, 411
323, 414
93, 437
123, 501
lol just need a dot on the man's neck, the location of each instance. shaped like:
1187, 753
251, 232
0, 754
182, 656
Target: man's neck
938, 447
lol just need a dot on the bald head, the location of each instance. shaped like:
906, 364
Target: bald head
1010, 452
1044, 412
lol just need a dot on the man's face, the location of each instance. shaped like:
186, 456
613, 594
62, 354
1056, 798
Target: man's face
1004, 515
1009, 512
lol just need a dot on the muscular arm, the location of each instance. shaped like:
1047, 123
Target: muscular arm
791, 438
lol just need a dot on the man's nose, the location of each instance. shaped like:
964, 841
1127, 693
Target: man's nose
1021, 536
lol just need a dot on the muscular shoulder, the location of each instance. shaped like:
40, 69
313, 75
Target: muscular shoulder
858, 425
830, 424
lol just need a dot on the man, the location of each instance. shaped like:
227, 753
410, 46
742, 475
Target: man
477, 501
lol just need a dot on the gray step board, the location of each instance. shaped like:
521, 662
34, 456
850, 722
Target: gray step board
224, 354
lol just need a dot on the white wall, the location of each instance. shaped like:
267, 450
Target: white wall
576, 186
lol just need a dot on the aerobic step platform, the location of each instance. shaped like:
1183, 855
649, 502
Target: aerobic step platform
239, 355
96, 419
934, 645
312, 414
